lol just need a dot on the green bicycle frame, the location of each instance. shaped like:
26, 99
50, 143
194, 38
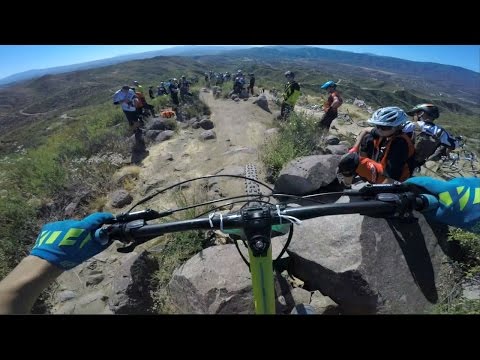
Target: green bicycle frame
261, 269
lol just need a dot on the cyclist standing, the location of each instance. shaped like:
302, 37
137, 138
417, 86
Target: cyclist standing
290, 95
128, 99
431, 140
332, 104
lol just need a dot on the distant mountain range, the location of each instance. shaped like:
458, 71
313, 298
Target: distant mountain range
453, 80
378, 80
184, 50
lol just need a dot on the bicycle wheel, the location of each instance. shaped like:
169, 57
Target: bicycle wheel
252, 188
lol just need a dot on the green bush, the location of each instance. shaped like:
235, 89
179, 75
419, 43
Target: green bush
49, 172
296, 137
460, 306
470, 244
17, 232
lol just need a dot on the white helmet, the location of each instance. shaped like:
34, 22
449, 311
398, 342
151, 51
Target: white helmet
388, 116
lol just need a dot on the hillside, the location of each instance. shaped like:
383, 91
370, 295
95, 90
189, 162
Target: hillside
379, 81
453, 80
192, 50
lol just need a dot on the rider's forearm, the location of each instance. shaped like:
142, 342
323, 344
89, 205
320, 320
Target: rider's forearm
20, 289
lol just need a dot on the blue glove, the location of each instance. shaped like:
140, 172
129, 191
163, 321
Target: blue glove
68, 243
459, 200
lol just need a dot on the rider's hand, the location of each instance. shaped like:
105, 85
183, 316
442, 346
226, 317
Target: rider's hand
459, 200
68, 243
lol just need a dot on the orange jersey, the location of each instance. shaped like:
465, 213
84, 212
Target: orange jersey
373, 170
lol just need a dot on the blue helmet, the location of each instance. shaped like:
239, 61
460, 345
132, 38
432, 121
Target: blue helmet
388, 116
328, 84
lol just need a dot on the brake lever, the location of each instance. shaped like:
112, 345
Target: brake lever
129, 248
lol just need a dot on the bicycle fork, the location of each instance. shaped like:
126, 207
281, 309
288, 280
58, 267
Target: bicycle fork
257, 232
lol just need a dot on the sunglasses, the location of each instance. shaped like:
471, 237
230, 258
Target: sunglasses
384, 128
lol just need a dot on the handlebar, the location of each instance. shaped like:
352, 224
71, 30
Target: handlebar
132, 228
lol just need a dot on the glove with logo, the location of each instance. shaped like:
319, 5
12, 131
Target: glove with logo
458, 200
68, 243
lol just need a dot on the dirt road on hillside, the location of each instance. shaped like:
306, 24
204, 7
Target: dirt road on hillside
240, 128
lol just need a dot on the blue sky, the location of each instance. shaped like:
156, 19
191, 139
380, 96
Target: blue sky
18, 58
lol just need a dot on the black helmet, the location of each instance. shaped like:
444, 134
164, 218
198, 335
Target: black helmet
430, 109
289, 74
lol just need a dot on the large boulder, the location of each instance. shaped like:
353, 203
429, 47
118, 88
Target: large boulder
215, 281
370, 265
263, 103
339, 149
131, 290
110, 282
306, 174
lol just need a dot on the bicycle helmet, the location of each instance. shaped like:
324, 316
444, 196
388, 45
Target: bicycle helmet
135, 82
328, 84
430, 109
388, 116
289, 74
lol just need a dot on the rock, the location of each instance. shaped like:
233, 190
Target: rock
120, 198
131, 291
66, 295
306, 174
332, 140
370, 265
215, 281
336, 149
208, 135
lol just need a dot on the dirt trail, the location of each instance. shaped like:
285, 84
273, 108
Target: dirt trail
239, 127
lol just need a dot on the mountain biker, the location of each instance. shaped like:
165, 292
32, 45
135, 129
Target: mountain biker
386, 153
252, 83
290, 95
65, 244
332, 104
161, 89
128, 99
431, 140
173, 90
239, 82
140, 94
184, 87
